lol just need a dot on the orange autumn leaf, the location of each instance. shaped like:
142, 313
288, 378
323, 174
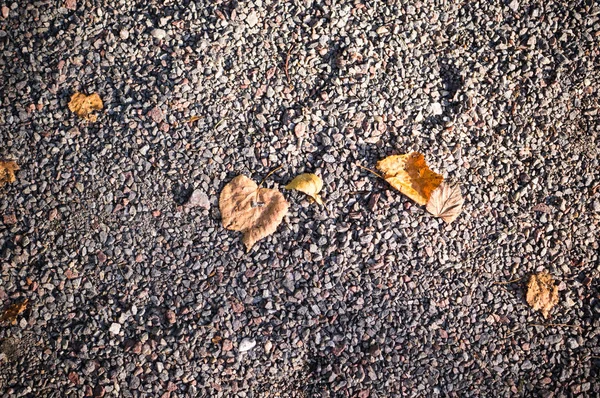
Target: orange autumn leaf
7, 171
410, 175
82, 105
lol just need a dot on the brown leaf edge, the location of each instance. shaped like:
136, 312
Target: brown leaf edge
446, 202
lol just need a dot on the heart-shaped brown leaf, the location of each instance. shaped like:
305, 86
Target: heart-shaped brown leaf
446, 202
254, 211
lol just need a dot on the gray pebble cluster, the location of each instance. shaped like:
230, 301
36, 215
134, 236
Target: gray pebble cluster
112, 229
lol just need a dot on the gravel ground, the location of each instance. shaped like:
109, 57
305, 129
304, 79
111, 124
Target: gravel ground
133, 294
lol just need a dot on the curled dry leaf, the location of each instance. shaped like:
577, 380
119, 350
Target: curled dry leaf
10, 314
446, 202
82, 105
542, 293
254, 211
310, 184
7, 172
410, 175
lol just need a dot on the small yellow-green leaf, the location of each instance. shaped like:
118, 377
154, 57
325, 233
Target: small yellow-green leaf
310, 184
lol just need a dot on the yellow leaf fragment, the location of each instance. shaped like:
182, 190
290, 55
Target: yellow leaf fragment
82, 105
410, 175
10, 313
542, 293
7, 171
254, 211
193, 119
308, 183
446, 202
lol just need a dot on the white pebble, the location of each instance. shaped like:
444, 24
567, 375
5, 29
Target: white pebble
159, 34
115, 328
436, 108
252, 19
247, 345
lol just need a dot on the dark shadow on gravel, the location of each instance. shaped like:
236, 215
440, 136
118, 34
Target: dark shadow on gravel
182, 192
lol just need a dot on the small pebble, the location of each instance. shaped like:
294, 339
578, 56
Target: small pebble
158, 34
115, 328
247, 344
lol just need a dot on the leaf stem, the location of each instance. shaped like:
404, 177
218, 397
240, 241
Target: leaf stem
507, 282
287, 65
371, 171
555, 325
268, 175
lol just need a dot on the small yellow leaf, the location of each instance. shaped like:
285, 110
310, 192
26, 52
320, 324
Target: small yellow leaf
542, 293
82, 105
7, 171
410, 175
310, 184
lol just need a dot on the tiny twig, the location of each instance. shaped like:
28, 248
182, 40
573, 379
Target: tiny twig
219, 123
364, 191
556, 325
287, 65
507, 282
268, 175
513, 332
371, 171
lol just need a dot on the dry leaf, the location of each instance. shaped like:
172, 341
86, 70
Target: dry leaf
310, 184
544, 208
10, 314
7, 172
193, 119
410, 175
446, 202
542, 294
82, 105
254, 211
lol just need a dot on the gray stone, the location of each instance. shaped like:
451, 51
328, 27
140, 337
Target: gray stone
198, 199
158, 33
